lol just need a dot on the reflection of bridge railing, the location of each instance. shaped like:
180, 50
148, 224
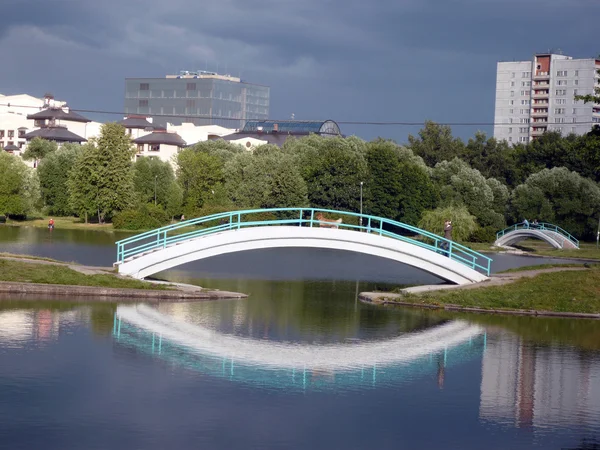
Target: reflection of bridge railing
363, 373
303, 217
540, 227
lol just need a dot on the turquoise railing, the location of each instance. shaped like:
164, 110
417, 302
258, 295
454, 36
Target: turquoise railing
543, 226
215, 223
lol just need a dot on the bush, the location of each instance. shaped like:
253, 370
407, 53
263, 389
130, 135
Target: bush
146, 217
484, 235
463, 223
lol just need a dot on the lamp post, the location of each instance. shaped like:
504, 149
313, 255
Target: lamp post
360, 218
155, 177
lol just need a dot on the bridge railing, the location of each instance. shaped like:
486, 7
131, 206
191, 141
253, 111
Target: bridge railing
215, 223
542, 226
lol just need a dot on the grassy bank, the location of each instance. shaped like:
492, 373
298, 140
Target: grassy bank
24, 272
569, 291
64, 223
587, 250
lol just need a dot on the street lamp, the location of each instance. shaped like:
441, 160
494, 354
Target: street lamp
155, 177
360, 219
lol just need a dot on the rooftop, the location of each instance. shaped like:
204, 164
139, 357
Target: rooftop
204, 74
161, 137
55, 133
325, 127
140, 122
58, 114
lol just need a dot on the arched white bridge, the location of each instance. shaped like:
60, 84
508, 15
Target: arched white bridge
279, 355
547, 232
148, 253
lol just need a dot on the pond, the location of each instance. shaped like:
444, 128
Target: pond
300, 363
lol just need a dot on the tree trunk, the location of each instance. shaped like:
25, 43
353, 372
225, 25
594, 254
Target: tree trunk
86, 218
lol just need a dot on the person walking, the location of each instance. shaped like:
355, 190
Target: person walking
51, 224
526, 223
448, 235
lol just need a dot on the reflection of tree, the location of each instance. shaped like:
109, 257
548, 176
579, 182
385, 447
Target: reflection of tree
324, 311
102, 318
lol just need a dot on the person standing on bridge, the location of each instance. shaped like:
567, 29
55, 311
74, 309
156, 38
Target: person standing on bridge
526, 223
448, 235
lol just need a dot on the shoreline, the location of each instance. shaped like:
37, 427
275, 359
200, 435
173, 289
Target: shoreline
376, 298
104, 294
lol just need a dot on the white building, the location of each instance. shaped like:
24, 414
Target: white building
161, 144
199, 133
536, 96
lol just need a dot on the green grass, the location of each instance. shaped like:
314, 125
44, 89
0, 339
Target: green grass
64, 223
37, 258
543, 266
23, 272
569, 291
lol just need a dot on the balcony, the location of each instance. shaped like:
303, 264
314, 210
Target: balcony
541, 94
541, 103
541, 85
539, 75
539, 113
538, 131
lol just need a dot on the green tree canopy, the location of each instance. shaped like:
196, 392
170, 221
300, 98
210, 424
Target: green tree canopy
435, 143
224, 150
150, 176
38, 149
198, 174
53, 172
494, 159
461, 185
399, 186
463, 223
559, 196
19, 186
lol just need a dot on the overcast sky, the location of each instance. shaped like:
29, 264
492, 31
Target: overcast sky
346, 60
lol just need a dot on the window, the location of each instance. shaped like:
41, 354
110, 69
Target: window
512, 84
524, 120
511, 102
510, 120
559, 120
523, 130
190, 87
143, 103
11, 134
512, 75
190, 103
510, 129
576, 82
561, 83
510, 139
511, 111
154, 147
525, 93
512, 93
524, 111
561, 101
523, 139
573, 129
561, 92
574, 91
561, 73
559, 110
524, 102
574, 110
21, 133
144, 86
140, 148
525, 83
526, 75
1, 133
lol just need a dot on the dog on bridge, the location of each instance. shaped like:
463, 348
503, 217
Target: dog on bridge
328, 223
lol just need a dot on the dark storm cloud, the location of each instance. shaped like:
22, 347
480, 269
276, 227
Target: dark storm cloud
407, 60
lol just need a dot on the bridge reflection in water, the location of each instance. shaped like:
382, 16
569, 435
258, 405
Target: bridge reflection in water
300, 366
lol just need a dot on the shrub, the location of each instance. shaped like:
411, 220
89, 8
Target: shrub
146, 217
483, 234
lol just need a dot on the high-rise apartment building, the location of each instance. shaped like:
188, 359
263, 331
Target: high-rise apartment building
202, 98
536, 96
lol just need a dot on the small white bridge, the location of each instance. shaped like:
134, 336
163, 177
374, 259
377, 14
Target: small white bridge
547, 232
148, 253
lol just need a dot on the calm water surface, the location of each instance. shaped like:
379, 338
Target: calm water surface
301, 363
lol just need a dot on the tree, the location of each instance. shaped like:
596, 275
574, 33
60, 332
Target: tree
152, 176
332, 169
495, 159
461, 185
224, 150
463, 223
267, 178
38, 149
19, 186
559, 196
101, 181
174, 200
399, 185
53, 172
435, 144
198, 173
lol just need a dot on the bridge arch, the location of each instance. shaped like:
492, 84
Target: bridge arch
549, 233
152, 252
